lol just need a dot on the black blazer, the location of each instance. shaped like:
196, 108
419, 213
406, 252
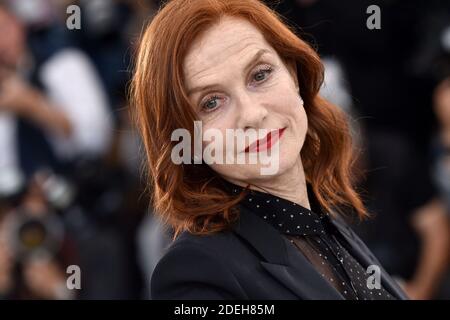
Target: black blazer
252, 261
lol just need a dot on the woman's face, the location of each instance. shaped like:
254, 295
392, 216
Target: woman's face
236, 80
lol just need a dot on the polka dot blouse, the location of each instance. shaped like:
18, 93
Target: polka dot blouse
312, 233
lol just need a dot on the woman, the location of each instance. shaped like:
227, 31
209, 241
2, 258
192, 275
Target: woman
242, 232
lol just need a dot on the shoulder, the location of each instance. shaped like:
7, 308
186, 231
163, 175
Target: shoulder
195, 267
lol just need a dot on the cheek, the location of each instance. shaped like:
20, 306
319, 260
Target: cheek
300, 127
294, 116
289, 107
215, 128
302, 121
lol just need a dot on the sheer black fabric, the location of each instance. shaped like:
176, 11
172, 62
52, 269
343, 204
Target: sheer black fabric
312, 233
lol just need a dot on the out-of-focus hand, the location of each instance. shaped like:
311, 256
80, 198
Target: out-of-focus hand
44, 278
15, 94
18, 97
431, 218
432, 225
416, 292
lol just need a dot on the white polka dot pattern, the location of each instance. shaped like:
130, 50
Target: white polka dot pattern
314, 228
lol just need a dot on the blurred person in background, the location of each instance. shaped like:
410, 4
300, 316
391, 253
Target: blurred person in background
442, 142
34, 250
19, 99
441, 173
59, 126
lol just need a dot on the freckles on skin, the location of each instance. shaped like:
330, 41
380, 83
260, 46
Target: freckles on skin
225, 45
218, 58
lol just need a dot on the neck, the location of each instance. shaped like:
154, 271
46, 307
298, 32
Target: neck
290, 185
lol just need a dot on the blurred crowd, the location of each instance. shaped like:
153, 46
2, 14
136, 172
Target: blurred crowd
71, 187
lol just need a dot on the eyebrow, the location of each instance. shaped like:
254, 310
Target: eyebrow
249, 65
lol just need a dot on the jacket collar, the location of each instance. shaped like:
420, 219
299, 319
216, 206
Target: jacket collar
286, 216
291, 268
281, 260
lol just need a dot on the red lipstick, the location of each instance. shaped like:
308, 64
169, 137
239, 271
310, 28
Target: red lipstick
267, 142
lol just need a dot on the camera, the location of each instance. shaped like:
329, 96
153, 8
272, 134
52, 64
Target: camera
32, 235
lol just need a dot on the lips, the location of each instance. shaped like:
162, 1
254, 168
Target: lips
267, 142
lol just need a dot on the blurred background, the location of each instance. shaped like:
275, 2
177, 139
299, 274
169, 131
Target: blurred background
71, 189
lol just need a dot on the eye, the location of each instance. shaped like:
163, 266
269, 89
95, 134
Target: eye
211, 104
262, 73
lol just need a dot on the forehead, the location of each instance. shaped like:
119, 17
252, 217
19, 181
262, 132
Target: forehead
230, 41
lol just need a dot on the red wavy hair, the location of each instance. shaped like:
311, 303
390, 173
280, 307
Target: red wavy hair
190, 197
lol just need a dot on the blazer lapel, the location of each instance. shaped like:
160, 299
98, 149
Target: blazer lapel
282, 260
364, 256
301, 277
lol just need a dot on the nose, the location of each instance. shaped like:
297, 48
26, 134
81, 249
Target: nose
251, 111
